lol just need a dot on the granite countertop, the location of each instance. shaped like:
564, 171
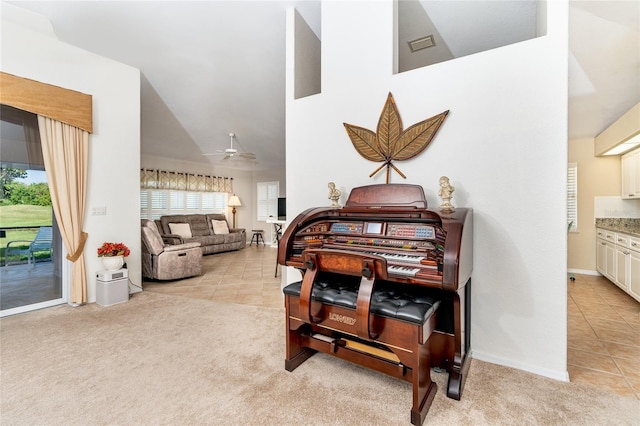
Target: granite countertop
628, 226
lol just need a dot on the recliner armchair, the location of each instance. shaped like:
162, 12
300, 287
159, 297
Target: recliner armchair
168, 262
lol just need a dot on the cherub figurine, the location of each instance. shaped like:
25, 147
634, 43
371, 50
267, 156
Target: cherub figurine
446, 193
334, 194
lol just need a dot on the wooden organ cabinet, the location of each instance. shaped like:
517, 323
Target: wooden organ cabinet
386, 284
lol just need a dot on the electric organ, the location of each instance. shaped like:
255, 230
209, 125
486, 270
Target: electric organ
386, 284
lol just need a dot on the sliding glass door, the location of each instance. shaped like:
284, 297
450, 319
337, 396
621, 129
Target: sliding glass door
31, 266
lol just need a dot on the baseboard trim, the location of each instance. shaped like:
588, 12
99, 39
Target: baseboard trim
562, 376
583, 272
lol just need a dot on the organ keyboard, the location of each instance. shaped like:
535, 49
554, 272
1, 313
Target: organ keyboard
386, 234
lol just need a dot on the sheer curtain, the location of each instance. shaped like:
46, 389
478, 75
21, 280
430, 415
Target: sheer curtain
32, 138
65, 151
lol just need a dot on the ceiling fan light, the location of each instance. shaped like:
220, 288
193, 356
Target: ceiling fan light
232, 155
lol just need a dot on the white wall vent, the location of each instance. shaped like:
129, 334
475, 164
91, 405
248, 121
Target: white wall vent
422, 43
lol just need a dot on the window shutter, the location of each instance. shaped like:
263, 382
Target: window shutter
268, 199
158, 202
176, 200
144, 203
193, 201
572, 198
208, 201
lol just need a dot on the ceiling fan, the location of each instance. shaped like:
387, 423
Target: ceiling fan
232, 153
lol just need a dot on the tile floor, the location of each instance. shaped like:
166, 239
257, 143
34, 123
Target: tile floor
603, 347
245, 276
603, 322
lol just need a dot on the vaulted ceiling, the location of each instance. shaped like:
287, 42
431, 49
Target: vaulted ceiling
213, 67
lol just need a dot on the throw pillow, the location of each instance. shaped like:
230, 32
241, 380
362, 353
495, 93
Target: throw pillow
220, 226
182, 229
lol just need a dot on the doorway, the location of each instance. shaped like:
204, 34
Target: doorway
31, 267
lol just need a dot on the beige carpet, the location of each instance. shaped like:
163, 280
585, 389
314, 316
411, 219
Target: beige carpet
169, 360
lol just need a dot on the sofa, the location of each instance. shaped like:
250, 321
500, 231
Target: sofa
210, 230
162, 261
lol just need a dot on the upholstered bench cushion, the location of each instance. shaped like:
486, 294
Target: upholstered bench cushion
392, 300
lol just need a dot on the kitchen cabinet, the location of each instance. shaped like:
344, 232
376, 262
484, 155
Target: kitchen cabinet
601, 251
621, 267
634, 273
601, 256
631, 174
606, 253
618, 259
611, 262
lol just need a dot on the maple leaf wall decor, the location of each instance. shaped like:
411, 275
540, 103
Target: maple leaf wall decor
391, 143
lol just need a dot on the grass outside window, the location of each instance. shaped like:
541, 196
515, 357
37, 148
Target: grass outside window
27, 217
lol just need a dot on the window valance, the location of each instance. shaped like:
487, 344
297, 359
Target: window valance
64, 105
160, 179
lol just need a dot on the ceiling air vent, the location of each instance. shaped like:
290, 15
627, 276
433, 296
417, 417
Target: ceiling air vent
422, 43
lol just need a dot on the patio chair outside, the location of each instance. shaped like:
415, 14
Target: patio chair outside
43, 241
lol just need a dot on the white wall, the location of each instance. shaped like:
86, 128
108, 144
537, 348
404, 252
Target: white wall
503, 145
114, 159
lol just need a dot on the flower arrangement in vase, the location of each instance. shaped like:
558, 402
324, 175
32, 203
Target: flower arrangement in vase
113, 255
